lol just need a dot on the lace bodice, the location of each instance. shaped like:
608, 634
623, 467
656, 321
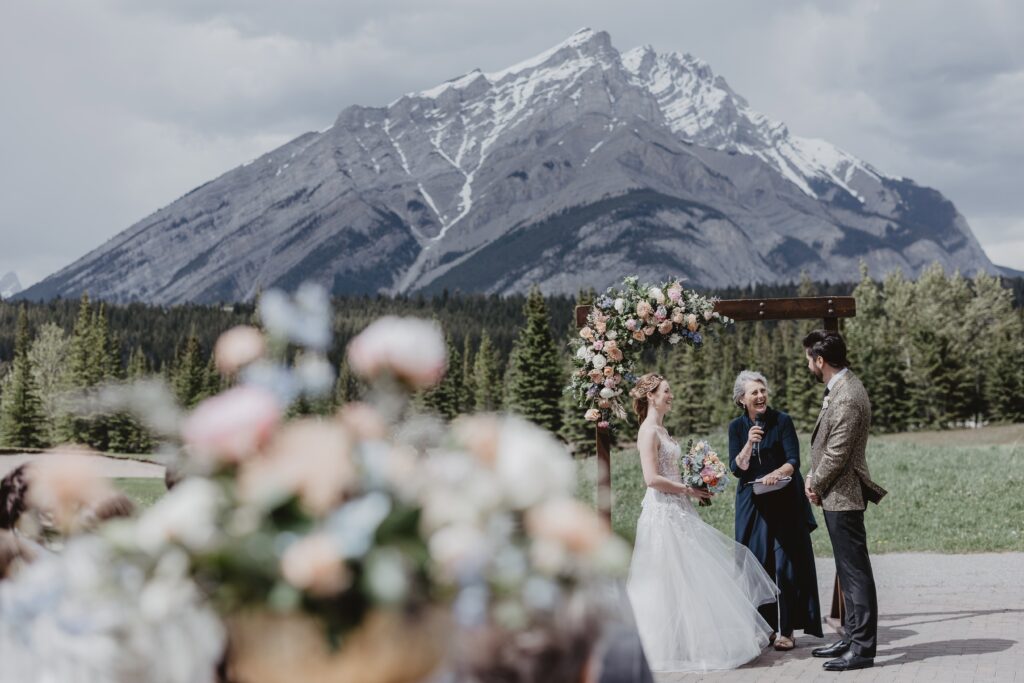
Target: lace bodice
668, 457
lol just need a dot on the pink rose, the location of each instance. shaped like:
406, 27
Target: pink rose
232, 425
675, 293
238, 347
569, 523
631, 324
661, 313
411, 349
665, 327
65, 483
598, 345
610, 382
649, 330
603, 424
708, 315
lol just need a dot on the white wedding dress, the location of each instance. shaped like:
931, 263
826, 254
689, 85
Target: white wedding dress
693, 590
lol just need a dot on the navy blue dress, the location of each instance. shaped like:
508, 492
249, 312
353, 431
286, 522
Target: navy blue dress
777, 526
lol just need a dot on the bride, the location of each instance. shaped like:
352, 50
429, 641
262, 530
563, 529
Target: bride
694, 591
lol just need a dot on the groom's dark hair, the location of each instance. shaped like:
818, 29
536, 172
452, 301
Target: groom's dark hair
828, 345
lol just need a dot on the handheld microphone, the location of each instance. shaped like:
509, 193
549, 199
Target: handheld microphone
759, 423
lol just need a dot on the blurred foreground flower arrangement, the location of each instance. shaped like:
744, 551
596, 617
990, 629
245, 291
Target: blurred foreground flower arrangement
376, 546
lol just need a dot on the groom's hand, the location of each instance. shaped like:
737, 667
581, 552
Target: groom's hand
811, 495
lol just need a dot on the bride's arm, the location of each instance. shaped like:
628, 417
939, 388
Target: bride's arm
647, 443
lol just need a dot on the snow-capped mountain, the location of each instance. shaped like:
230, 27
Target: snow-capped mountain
571, 169
9, 286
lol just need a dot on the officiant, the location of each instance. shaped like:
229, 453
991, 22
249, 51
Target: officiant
773, 517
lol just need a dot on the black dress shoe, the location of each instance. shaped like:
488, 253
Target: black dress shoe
834, 650
849, 662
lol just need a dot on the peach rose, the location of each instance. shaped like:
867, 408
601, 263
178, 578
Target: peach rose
569, 523
314, 564
593, 414
587, 334
595, 376
238, 347
615, 354
665, 327
479, 434
678, 316
691, 322
639, 336
65, 483
643, 310
309, 458
363, 421
649, 330
609, 371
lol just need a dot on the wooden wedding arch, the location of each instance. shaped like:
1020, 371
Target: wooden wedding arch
829, 309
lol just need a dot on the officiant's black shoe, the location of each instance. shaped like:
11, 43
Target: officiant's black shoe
834, 650
849, 662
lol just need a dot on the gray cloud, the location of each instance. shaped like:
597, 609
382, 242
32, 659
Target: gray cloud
114, 108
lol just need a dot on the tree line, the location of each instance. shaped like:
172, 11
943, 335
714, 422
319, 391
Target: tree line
938, 352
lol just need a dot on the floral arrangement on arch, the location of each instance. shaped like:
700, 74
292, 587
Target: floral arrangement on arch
620, 324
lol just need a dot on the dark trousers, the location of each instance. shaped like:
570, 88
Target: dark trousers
850, 547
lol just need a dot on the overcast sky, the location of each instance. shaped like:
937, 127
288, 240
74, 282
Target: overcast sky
114, 108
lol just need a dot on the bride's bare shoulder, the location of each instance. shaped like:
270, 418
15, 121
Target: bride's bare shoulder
647, 434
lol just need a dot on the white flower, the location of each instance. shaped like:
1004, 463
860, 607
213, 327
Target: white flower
611, 335
607, 393
656, 294
598, 361
619, 304
674, 339
460, 550
306, 321
532, 465
386, 577
186, 515
584, 353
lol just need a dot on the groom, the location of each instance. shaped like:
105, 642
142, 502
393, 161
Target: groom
839, 482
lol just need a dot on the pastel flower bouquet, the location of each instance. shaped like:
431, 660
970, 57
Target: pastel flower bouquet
701, 468
370, 546
623, 322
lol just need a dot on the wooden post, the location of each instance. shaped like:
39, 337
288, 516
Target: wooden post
604, 473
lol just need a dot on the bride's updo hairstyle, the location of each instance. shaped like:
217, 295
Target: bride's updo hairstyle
645, 385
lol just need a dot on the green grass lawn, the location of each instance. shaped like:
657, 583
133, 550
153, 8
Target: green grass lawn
143, 491
949, 492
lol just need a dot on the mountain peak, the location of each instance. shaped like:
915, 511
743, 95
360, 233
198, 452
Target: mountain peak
538, 174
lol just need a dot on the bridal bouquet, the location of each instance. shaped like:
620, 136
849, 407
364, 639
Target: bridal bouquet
701, 468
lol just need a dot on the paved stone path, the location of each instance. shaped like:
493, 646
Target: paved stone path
110, 467
942, 618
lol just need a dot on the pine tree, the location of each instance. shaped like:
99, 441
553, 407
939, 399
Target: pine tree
189, 378
49, 358
534, 387
691, 410
467, 396
22, 421
487, 385
444, 398
348, 387
126, 433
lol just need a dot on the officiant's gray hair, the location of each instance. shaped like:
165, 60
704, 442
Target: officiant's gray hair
739, 387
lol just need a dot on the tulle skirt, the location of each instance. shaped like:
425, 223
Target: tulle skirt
694, 591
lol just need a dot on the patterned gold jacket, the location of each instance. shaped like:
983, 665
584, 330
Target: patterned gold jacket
839, 469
